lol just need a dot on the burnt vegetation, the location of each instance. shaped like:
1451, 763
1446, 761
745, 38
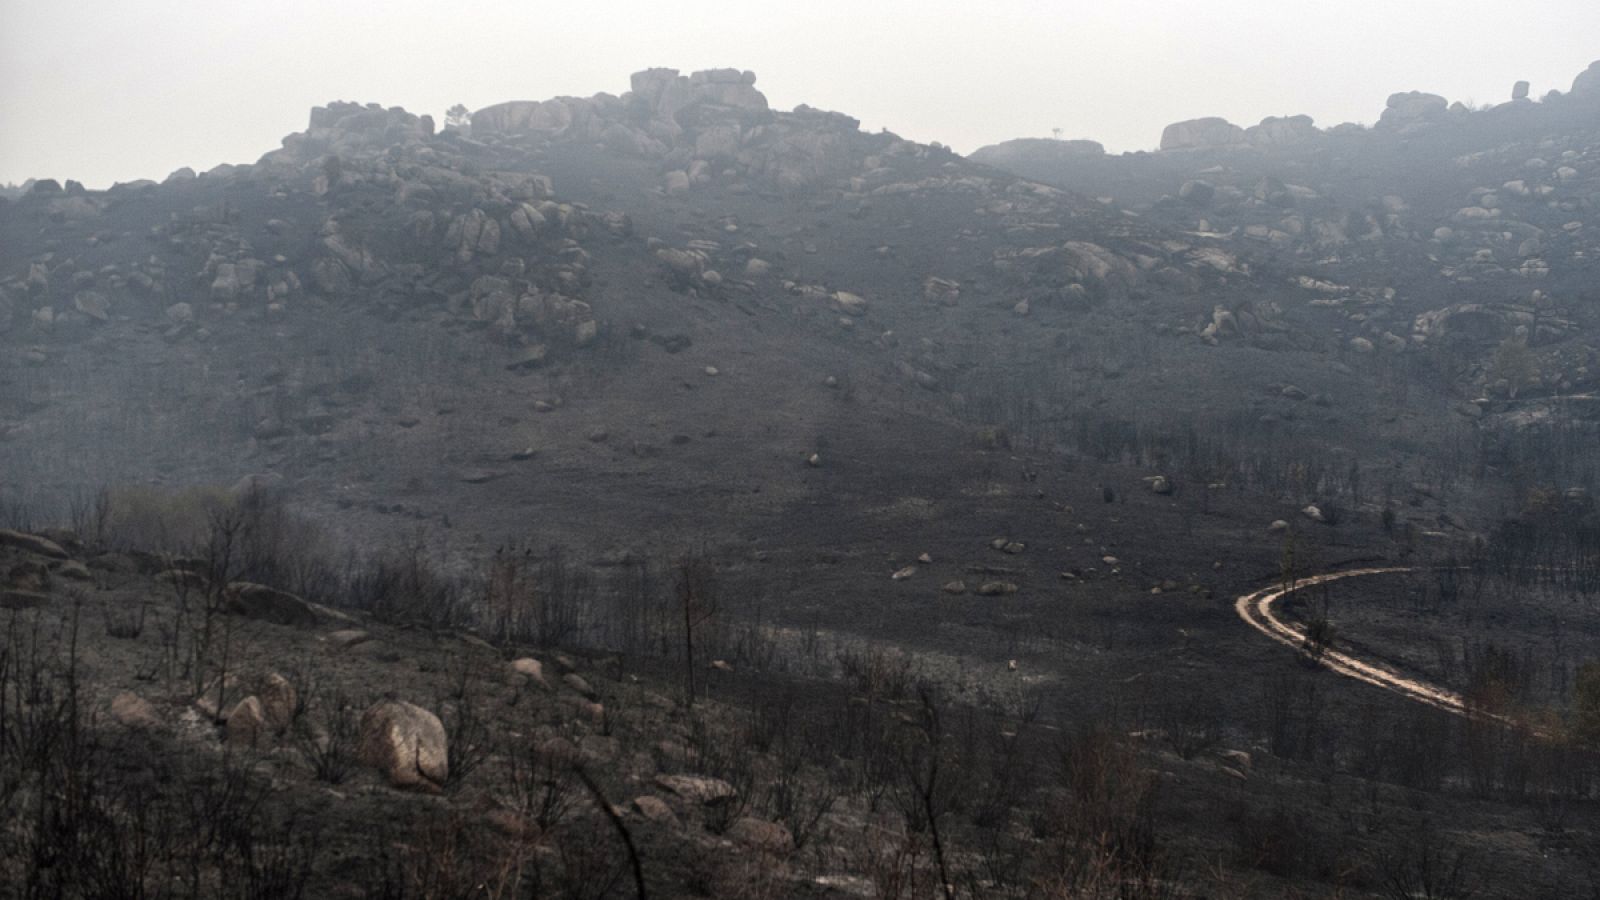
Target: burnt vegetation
666, 496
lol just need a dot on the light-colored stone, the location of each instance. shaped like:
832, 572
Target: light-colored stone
31, 543
405, 742
698, 788
247, 723
1209, 132
654, 809
349, 637
760, 834
133, 711
580, 684
531, 670
278, 699
257, 601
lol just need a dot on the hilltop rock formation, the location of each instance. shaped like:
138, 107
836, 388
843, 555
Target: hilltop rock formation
568, 236
1438, 230
1587, 84
1411, 107
1035, 151
708, 123
1281, 131
1196, 134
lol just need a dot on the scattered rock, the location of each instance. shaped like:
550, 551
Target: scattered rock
133, 711
278, 699
1239, 758
532, 358
532, 670
349, 637
760, 834
405, 742
580, 684
512, 824
246, 723
700, 789
1197, 192
849, 304
1206, 133
31, 543
211, 699
654, 809
72, 570
257, 601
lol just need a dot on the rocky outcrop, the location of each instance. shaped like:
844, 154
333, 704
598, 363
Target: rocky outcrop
257, 601
31, 543
698, 788
1202, 134
246, 723
1587, 84
668, 101
1281, 131
352, 129
1411, 108
548, 118
132, 711
1025, 153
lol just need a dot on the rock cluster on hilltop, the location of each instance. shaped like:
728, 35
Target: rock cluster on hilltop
1196, 133
1438, 226
700, 125
371, 203
1587, 83
1036, 151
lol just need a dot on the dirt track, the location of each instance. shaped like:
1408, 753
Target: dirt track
1256, 610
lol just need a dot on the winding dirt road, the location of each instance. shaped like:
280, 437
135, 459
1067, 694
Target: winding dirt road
1256, 610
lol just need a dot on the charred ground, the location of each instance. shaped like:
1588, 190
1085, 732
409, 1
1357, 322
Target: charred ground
971, 465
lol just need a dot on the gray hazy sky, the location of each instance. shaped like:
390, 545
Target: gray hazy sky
113, 90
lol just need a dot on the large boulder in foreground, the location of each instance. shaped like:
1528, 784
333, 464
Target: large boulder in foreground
405, 742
